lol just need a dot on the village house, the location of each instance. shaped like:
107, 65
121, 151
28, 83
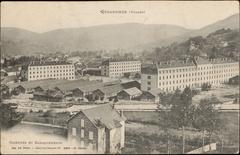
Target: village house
101, 129
9, 79
13, 70
91, 71
50, 95
129, 94
131, 84
86, 91
234, 80
150, 96
76, 88
106, 93
5, 93
29, 86
18, 90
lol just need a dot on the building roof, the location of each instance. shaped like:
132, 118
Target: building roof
50, 92
111, 90
183, 63
33, 84
12, 69
235, 77
153, 68
132, 91
106, 62
9, 79
130, 84
150, 69
94, 86
156, 92
104, 114
71, 85
48, 63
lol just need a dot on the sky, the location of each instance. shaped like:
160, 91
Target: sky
46, 16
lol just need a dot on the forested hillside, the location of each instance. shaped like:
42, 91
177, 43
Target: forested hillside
221, 43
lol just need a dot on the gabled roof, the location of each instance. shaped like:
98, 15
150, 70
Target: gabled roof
235, 77
50, 92
111, 90
130, 84
104, 115
132, 91
90, 87
156, 92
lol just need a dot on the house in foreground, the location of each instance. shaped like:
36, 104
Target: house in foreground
101, 129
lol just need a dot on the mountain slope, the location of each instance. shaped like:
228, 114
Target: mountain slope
128, 36
105, 37
231, 22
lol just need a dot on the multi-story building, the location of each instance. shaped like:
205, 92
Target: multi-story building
38, 70
172, 75
117, 68
100, 129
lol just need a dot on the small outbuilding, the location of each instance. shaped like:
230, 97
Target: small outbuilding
129, 94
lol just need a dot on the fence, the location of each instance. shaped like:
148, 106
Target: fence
211, 147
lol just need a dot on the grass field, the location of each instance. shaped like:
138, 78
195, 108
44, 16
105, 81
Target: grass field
47, 118
148, 126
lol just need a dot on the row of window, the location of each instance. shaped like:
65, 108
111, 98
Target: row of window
90, 133
50, 67
234, 68
74, 131
125, 63
186, 75
48, 75
127, 66
181, 81
191, 85
198, 84
33, 77
122, 70
51, 71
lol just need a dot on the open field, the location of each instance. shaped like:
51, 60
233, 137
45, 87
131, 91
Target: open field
224, 93
148, 124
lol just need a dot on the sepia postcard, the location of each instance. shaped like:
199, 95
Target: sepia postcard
119, 77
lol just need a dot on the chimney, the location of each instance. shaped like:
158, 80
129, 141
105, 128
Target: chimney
98, 120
